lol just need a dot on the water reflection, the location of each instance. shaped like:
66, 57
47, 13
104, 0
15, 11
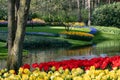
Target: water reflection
106, 48
2, 64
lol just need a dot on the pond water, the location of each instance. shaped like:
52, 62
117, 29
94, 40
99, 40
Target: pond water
105, 48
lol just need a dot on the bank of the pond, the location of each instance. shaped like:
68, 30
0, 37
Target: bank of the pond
106, 33
4, 50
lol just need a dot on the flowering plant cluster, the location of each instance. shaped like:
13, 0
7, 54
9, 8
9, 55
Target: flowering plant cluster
80, 24
106, 68
36, 22
75, 24
33, 22
77, 35
3, 23
99, 63
2, 20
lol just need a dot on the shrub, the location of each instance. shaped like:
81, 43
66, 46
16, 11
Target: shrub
3, 14
107, 15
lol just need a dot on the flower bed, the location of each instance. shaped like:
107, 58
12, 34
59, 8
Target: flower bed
106, 68
77, 35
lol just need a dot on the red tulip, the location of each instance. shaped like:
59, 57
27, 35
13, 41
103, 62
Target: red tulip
35, 65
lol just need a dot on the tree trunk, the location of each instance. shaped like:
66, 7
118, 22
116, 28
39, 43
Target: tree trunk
11, 20
15, 51
89, 12
11, 25
79, 11
98, 2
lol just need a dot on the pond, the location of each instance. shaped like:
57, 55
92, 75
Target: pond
105, 48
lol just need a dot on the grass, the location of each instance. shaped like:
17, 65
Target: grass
74, 43
106, 33
49, 29
4, 51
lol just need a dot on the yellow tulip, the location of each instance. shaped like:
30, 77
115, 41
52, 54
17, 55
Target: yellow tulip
67, 71
53, 68
32, 77
12, 71
58, 78
25, 77
6, 74
46, 78
56, 73
20, 70
26, 71
77, 78
61, 70
12, 76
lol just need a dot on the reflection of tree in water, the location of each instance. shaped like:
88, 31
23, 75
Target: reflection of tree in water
109, 47
80, 51
2, 64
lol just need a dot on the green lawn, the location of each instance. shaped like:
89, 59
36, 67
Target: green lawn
106, 33
4, 50
49, 29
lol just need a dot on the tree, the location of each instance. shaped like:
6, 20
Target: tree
79, 11
17, 19
89, 12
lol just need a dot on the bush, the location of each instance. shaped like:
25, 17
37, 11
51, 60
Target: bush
3, 14
107, 15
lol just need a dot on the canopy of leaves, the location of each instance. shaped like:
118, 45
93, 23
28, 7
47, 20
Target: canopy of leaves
107, 15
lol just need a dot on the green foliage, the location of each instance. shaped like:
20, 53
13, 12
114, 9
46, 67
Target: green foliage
3, 9
32, 41
107, 15
84, 13
3, 14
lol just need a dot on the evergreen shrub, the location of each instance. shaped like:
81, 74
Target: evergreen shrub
107, 15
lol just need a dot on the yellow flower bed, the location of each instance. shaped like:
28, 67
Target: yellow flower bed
77, 33
2, 20
79, 24
38, 20
60, 74
74, 24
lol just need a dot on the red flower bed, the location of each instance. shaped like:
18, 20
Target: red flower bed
99, 63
